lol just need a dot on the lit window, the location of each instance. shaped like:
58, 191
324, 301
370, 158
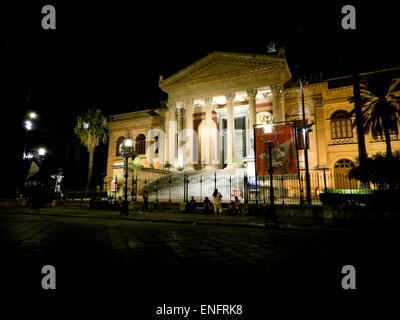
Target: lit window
341, 125
119, 143
140, 144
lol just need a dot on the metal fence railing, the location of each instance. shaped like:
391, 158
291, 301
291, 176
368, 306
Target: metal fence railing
288, 188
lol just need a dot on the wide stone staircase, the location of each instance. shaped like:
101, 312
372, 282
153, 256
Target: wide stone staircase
200, 184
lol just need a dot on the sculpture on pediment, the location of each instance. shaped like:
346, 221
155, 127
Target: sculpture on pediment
271, 47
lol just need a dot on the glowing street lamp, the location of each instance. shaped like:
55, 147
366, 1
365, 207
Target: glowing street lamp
33, 115
269, 128
127, 151
42, 152
128, 143
267, 123
28, 125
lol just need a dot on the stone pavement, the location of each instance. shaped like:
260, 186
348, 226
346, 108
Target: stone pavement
189, 218
137, 265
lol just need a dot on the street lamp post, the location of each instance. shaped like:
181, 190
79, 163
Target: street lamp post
28, 127
127, 151
270, 145
305, 129
28, 124
269, 129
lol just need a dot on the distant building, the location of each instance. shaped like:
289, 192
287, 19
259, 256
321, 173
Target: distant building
219, 98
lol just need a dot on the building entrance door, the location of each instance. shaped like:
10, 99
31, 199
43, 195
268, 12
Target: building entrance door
341, 175
240, 139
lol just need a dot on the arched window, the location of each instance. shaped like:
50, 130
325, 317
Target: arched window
120, 141
344, 164
341, 125
140, 144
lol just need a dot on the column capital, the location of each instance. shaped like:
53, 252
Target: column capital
208, 100
252, 92
180, 112
171, 104
230, 97
188, 103
276, 88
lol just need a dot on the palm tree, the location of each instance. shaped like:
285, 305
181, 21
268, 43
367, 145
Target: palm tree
381, 113
91, 129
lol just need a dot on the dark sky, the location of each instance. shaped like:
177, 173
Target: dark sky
109, 54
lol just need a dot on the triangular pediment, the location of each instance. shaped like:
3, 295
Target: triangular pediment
213, 68
218, 64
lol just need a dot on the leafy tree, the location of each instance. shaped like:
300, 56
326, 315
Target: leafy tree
91, 129
380, 170
135, 164
380, 107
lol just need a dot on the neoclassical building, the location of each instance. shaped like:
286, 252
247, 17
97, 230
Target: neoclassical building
213, 104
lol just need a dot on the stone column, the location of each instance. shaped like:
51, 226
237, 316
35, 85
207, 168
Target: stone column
172, 127
230, 128
250, 159
166, 137
189, 134
320, 136
252, 117
208, 136
162, 152
277, 111
181, 156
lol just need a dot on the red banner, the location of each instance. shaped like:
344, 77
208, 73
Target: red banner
113, 185
283, 152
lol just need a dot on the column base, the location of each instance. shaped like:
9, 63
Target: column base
211, 167
229, 166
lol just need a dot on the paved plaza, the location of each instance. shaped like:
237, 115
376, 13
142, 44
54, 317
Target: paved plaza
165, 262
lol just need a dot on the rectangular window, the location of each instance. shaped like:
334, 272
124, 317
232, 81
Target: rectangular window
240, 138
349, 128
240, 123
224, 124
341, 128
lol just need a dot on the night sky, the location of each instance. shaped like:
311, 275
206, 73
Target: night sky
110, 55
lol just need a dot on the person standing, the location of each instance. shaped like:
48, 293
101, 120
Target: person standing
145, 206
192, 205
207, 206
217, 202
236, 206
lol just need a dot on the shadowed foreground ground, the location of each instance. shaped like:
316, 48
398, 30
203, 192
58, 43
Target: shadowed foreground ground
131, 267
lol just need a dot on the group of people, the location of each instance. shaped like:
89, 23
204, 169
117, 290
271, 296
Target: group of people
209, 207
215, 206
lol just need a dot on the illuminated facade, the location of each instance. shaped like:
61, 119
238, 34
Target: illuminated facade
211, 109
